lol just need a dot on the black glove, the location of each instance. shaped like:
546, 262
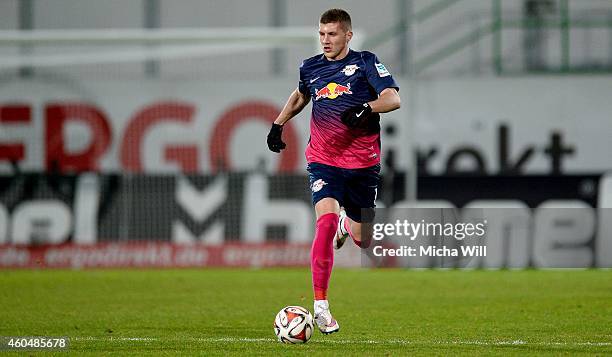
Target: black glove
357, 117
275, 143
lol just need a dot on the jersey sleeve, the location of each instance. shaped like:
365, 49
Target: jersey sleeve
302, 85
378, 75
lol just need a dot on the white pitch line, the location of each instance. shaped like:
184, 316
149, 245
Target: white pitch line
112, 338
345, 342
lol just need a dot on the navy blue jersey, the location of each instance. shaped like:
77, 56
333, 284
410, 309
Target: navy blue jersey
334, 87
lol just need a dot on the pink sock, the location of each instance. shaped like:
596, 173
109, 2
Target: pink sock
322, 254
347, 227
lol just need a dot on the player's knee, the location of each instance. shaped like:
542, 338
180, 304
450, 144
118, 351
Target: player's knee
327, 205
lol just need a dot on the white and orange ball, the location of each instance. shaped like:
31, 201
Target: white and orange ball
293, 324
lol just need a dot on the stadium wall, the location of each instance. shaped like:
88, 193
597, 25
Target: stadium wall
113, 168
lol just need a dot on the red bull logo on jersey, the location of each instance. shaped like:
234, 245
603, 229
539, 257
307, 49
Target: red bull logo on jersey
332, 91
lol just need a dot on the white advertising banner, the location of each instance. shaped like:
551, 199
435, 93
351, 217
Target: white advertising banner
535, 125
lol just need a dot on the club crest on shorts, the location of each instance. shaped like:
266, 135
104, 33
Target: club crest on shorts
317, 185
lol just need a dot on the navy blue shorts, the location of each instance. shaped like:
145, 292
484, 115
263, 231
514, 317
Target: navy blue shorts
354, 189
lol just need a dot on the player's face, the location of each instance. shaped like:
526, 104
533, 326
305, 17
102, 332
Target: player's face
334, 40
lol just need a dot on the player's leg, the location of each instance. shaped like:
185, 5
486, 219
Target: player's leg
360, 200
326, 186
322, 254
360, 233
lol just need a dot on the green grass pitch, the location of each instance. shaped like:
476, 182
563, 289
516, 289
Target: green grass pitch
381, 312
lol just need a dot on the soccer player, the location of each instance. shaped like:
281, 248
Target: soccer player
348, 90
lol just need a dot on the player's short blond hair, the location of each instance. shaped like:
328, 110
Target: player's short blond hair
337, 15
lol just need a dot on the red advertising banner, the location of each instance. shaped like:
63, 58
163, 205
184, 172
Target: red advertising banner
153, 255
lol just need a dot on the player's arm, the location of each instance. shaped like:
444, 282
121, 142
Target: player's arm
388, 100
295, 104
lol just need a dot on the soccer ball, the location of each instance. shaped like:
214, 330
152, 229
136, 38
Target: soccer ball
293, 324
